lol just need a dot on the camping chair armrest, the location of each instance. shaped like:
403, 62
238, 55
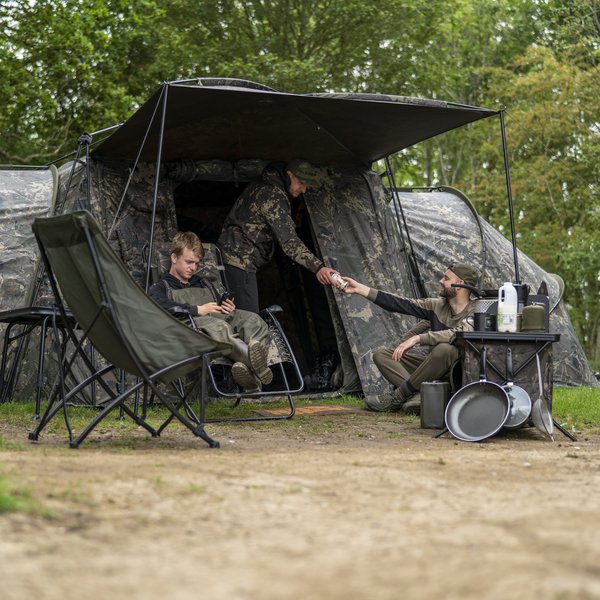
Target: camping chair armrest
182, 314
179, 312
274, 308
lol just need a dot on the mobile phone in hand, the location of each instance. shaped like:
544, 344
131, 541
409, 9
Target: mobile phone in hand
225, 296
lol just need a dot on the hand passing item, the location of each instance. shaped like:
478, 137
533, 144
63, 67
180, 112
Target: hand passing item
339, 283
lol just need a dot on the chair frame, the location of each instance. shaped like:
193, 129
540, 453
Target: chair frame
60, 398
268, 314
28, 319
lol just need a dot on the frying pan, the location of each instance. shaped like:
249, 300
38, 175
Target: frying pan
520, 402
479, 409
540, 415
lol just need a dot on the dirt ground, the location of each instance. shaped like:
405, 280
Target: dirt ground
326, 506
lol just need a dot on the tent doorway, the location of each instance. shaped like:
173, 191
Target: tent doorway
202, 206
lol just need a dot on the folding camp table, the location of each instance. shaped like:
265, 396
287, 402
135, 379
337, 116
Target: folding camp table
524, 346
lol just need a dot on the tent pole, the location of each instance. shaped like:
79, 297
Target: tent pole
156, 182
65, 156
416, 281
510, 201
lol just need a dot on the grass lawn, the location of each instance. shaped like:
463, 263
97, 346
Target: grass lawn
576, 409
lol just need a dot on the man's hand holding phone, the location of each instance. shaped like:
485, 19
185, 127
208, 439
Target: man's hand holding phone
225, 296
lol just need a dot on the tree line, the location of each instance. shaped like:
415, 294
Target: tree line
69, 66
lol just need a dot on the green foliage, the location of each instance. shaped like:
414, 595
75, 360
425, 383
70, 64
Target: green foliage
555, 157
69, 67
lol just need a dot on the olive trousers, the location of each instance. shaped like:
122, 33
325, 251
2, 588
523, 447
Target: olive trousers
236, 330
419, 364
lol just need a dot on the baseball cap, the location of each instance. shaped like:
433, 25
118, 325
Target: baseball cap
308, 174
467, 273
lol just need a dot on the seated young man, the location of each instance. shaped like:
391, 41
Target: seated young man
244, 332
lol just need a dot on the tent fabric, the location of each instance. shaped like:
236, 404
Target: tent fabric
356, 229
357, 232
355, 226
24, 195
226, 131
232, 123
440, 220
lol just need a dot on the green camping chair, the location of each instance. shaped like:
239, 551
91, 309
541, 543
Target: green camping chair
287, 379
122, 323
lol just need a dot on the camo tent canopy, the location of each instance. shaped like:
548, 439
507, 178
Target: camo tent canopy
232, 119
206, 139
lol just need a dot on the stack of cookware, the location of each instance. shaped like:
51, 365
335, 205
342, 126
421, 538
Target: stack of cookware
481, 409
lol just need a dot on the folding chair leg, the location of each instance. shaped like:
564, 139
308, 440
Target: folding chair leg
110, 407
201, 433
196, 427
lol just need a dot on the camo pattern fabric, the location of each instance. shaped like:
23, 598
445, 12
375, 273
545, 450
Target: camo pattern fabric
357, 236
25, 195
261, 216
216, 170
125, 217
355, 219
444, 229
382, 98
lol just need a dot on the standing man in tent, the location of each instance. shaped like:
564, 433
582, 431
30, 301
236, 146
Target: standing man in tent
261, 216
427, 353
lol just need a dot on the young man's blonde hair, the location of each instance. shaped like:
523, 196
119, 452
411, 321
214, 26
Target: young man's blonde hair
187, 240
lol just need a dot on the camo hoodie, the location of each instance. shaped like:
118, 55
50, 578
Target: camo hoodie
261, 216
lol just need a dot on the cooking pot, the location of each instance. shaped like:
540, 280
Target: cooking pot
478, 410
520, 402
434, 398
534, 318
485, 307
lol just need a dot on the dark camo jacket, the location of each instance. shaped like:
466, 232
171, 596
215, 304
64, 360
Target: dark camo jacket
261, 216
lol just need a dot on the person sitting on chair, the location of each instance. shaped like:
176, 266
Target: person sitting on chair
427, 352
182, 290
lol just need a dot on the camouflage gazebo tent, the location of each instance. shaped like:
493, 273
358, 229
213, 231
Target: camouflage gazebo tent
184, 157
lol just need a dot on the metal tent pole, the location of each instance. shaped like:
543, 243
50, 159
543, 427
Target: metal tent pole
156, 182
416, 281
510, 201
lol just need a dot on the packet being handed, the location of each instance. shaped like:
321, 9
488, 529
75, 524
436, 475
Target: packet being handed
339, 283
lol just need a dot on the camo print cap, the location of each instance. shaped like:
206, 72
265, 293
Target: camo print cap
304, 171
466, 272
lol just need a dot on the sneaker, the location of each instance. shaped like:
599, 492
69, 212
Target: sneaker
244, 377
412, 406
387, 402
257, 355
